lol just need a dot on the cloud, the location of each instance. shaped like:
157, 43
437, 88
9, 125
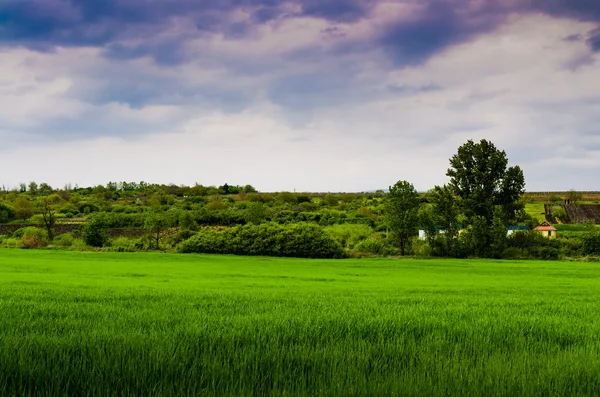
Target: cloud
298, 94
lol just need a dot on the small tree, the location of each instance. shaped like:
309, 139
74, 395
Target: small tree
48, 207
446, 207
402, 213
23, 208
574, 196
156, 222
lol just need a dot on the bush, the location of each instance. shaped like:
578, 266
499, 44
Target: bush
348, 235
64, 240
301, 240
32, 237
93, 231
591, 243
7, 213
122, 244
79, 245
376, 246
10, 242
511, 253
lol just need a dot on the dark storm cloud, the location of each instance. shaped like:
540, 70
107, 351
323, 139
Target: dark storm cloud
337, 10
594, 39
43, 24
443, 23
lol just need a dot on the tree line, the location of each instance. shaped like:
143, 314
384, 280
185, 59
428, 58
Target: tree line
468, 216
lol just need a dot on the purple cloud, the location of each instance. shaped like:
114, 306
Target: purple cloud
44, 24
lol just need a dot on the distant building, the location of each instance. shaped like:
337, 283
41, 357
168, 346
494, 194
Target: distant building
423, 233
516, 228
546, 230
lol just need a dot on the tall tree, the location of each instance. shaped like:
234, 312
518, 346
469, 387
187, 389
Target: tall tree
402, 213
446, 207
480, 177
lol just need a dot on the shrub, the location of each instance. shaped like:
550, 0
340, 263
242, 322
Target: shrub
79, 245
376, 246
7, 213
122, 244
64, 240
511, 253
348, 235
10, 242
298, 240
94, 231
32, 237
591, 243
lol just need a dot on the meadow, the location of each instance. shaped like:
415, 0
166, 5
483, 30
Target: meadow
98, 323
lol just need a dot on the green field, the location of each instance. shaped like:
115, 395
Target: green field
82, 323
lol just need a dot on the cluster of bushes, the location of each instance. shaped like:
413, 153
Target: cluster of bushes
303, 240
519, 245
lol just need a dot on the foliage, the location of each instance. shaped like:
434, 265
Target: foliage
376, 245
64, 240
32, 237
573, 196
348, 235
591, 241
480, 177
94, 232
48, 207
402, 213
123, 244
7, 213
255, 213
301, 240
156, 222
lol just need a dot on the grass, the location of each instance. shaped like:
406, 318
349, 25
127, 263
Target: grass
536, 210
572, 230
77, 323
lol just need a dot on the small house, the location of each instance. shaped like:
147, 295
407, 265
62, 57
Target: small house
546, 230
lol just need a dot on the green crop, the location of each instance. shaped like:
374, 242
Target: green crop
82, 323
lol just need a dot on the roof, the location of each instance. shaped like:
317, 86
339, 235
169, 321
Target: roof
545, 227
517, 227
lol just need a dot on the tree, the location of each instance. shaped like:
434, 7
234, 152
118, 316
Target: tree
480, 177
93, 231
33, 187
402, 212
23, 208
48, 207
446, 207
573, 196
7, 213
156, 222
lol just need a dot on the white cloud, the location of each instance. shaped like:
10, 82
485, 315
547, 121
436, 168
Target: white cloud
523, 86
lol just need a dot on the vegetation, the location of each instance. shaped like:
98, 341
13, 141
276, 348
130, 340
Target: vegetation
155, 324
468, 217
402, 213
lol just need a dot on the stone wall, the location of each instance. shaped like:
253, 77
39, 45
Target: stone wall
63, 228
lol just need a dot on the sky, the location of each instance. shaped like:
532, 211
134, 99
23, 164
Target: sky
304, 95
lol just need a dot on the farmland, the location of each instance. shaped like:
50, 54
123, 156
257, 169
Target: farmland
99, 323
